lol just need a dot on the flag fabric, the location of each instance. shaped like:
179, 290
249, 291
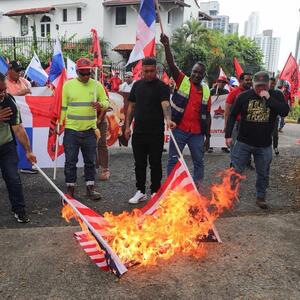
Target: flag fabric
165, 78
137, 71
237, 67
3, 65
57, 64
96, 49
145, 33
233, 81
222, 75
36, 72
290, 73
55, 117
98, 250
71, 69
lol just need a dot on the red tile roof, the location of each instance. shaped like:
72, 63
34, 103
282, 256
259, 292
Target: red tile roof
29, 11
124, 47
131, 2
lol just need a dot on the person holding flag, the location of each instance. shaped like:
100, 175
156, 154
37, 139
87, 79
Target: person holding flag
79, 113
191, 104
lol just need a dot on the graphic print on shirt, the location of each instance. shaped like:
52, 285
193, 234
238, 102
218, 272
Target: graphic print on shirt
257, 111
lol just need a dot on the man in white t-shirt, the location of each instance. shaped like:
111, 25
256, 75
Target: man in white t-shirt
126, 86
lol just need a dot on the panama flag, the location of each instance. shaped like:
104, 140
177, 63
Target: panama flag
57, 64
36, 72
71, 69
3, 65
145, 33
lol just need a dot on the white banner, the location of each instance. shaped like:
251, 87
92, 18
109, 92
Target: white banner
217, 121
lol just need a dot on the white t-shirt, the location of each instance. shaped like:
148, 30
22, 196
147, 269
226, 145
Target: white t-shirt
125, 87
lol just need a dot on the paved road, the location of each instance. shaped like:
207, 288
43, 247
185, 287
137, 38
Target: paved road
259, 258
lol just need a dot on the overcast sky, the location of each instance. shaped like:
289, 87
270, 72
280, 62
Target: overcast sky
280, 15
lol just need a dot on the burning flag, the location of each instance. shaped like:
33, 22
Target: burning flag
176, 220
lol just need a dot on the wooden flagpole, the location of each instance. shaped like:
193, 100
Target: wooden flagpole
159, 16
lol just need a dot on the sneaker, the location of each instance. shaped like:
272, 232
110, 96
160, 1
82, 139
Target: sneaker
104, 175
250, 167
21, 217
210, 150
138, 197
71, 190
261, 203
28, 171
276, 151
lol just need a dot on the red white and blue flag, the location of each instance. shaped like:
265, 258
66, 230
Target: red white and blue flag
145, 33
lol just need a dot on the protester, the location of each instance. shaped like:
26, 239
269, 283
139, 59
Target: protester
245, 83
79, 115
11, 127
18, 86
275, 137
115, 82
288, 98
258, 109
191, 105
149, 105
126, 86
106, 83
219, 90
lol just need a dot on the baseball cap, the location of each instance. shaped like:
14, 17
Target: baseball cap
261, 77
15, 65
83, 63
222, 79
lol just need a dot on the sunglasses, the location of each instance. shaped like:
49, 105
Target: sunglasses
84, 74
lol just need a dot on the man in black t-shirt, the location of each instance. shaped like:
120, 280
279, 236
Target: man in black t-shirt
148, 104
11, 127
259, 108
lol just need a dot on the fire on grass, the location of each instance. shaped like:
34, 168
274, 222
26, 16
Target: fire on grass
179, 224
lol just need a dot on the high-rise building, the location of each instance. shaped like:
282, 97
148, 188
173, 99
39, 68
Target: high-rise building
270, 47
219, 22
233, 28
252, 25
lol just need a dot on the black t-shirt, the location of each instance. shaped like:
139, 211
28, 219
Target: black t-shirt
213, 92
6, 134
257, 117
148, 114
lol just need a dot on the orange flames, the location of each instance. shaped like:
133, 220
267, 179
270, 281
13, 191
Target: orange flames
181, 222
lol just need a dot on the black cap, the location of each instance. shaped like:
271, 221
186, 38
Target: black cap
261, 78
15, 65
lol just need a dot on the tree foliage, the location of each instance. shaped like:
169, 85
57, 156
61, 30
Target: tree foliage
192, 42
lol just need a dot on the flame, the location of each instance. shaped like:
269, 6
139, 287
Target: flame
179, 225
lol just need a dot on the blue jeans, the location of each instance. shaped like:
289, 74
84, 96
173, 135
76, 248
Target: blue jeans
241, 155
73, 142
195, 143
8, 164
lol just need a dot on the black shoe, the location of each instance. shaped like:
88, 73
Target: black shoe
21, 217
250, 167
276, 151
261, 203
28, 171
225, 150
210, 150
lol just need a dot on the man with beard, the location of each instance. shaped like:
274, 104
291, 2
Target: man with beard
258, 109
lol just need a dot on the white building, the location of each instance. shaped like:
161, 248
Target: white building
252, 25
115, 20
270, 47
218, 22
233, 28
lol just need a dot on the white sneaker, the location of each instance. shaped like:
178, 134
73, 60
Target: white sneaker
138, 197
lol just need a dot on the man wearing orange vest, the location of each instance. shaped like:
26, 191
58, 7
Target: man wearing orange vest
190, 106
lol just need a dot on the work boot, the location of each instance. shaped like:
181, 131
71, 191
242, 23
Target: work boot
92, 194
71, 190
261, 203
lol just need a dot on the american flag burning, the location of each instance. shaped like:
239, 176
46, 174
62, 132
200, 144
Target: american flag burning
176, 220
